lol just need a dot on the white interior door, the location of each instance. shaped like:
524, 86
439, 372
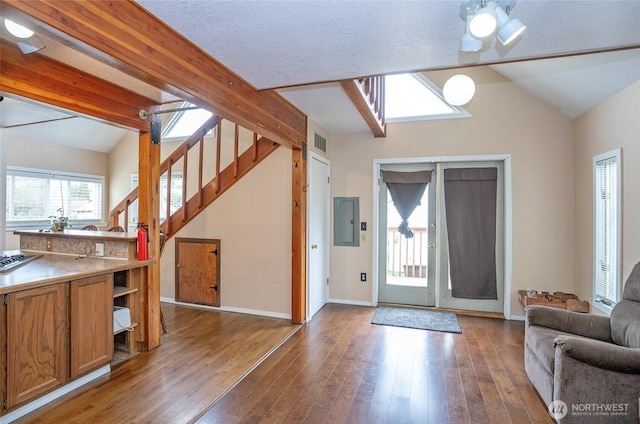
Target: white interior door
318, 233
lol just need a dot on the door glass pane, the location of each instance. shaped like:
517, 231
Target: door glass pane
407, 263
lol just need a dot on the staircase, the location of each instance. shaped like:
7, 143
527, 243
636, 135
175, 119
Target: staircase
198, 172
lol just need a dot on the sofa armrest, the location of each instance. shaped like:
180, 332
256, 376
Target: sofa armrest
587, 325
603, 355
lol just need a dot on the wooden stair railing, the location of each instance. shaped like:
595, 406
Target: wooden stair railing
367, 94
205, 193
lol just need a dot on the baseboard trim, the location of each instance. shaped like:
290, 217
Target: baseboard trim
50, 397
350, 302
229, 309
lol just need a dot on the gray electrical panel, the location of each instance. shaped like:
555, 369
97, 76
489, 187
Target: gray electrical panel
346, 221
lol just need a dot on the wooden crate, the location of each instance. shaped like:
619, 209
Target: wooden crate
560, 300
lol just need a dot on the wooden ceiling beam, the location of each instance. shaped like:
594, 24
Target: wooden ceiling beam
127, 37
56, 84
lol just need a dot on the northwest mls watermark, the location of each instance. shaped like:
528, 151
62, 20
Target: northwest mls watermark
559, 409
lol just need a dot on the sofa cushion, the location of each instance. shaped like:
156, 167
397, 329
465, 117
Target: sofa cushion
540, 341
625, 323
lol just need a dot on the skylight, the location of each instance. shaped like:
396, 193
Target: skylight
411, 97
184, 123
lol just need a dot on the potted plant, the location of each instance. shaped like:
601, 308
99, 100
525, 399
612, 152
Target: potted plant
59, 223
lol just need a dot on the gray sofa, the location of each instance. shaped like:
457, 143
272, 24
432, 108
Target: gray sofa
589, 362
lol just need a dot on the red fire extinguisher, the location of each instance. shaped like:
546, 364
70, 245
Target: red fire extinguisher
143, 241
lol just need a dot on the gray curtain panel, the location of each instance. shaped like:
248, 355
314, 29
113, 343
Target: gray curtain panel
406, 189
470, 201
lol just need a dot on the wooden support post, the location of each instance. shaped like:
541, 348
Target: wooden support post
299, 238
148, 212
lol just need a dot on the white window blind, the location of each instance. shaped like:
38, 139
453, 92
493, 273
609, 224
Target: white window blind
34, 195
606, 274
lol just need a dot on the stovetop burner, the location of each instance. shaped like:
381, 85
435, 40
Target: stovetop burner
13, 259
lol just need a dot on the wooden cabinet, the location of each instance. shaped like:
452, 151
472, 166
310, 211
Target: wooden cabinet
91, 316
54, 334
36, 342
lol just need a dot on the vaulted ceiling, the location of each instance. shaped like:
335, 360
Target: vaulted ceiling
302, 48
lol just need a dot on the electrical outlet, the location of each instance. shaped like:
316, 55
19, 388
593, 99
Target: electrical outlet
363, 276
48, 244
99, 249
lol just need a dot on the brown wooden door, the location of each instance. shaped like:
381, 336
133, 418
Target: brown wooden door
91, 323
198, 271
37, 342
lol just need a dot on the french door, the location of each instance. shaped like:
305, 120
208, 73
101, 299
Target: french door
445, 296
406, 266
416, 271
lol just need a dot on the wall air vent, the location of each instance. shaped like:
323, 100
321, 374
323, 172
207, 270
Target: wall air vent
320, 143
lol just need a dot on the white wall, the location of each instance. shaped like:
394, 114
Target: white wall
506, 120
615, 123
253, 222
123, 161
3, 188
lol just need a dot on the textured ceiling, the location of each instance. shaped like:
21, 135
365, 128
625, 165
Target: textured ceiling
282, 43
290, 44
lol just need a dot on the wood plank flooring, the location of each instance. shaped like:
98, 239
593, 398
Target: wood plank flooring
338, 368
203, 354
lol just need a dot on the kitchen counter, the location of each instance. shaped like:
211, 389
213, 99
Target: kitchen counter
52, 268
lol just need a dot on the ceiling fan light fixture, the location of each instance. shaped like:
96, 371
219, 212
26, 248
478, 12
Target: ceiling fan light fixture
459, 90
17, 30
508, 28
483, 22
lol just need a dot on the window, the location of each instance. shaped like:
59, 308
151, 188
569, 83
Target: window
176, 195
412, 97
185, 122
34, 195
606, 239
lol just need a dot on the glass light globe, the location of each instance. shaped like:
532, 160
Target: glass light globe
17, 30
459, 90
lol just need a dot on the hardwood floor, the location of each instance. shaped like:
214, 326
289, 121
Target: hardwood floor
202, 355
338, 368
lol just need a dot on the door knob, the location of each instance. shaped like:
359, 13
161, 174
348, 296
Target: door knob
314, 246
432, 245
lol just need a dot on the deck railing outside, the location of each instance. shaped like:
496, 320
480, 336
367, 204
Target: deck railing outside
407, 257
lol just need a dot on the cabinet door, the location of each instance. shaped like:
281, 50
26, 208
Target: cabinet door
91, 323
198, 271
37, 356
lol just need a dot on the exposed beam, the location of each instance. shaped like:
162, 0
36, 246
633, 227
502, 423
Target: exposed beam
132, 40
39, 78
371, 109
